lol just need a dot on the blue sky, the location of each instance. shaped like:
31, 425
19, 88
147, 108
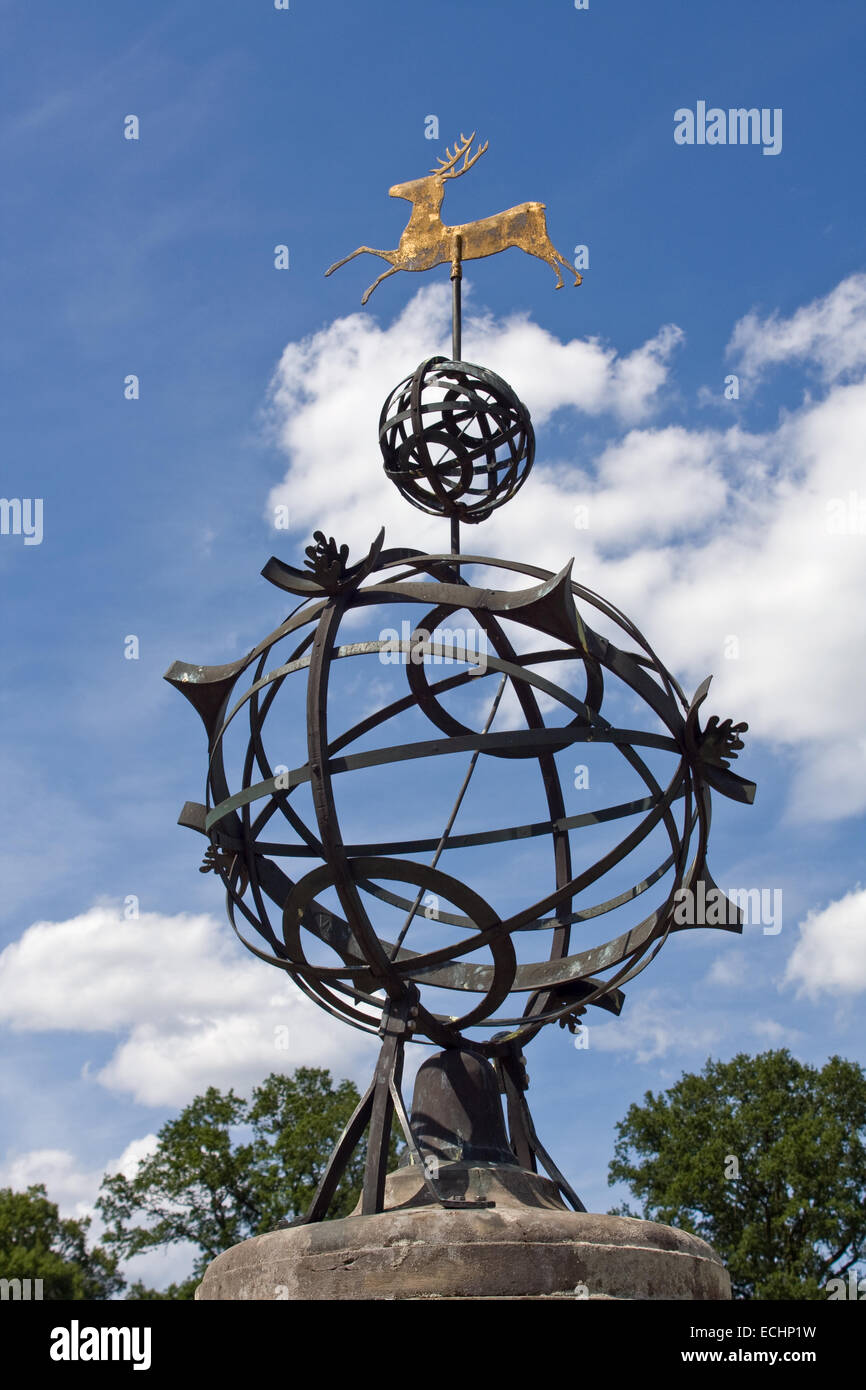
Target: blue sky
709, 518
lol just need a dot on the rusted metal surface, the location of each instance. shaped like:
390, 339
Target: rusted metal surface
248, 856
457, 1111
379, 984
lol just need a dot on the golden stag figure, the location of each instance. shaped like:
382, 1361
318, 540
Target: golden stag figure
427, 242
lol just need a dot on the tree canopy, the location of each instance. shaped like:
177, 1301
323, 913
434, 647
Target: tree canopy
228, 1168
764, 1158
35, 1243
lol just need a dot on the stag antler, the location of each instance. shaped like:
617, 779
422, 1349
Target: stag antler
446, 168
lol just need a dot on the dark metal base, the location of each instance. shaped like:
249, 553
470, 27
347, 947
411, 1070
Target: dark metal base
456, 1117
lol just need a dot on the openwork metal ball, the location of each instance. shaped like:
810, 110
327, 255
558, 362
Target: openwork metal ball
456, 440
588, 811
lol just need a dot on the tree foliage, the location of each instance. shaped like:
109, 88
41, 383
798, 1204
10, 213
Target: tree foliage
228, 1168
35, 1243
795, 1216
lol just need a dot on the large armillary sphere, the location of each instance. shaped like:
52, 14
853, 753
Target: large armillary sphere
375, 930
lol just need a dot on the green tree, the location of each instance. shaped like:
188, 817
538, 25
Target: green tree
139, 1291
764, 1158
228, 1168
36, 1244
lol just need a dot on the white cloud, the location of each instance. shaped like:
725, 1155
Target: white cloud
134, 1153
328, 390
728, 971
75, 1189
830, 955
700, 535
830, 333
72, 1188
775, 1033
191, 1009
650, 1028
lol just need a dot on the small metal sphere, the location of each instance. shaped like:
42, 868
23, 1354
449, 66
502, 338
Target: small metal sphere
456, 440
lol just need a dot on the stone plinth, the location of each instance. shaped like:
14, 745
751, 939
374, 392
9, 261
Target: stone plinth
526, 1246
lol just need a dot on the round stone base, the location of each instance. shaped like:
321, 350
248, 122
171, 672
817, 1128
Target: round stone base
513, 1250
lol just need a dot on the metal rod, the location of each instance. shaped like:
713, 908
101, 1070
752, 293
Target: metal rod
456, 306
456, 348
452, 818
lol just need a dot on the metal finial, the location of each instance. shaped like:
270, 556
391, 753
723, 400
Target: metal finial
426, 241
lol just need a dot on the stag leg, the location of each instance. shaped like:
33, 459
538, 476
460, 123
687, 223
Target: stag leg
383, 276
550, 254
374, 251
578, 278
552, 258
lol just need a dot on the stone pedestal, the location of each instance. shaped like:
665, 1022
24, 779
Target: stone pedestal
528, 1245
